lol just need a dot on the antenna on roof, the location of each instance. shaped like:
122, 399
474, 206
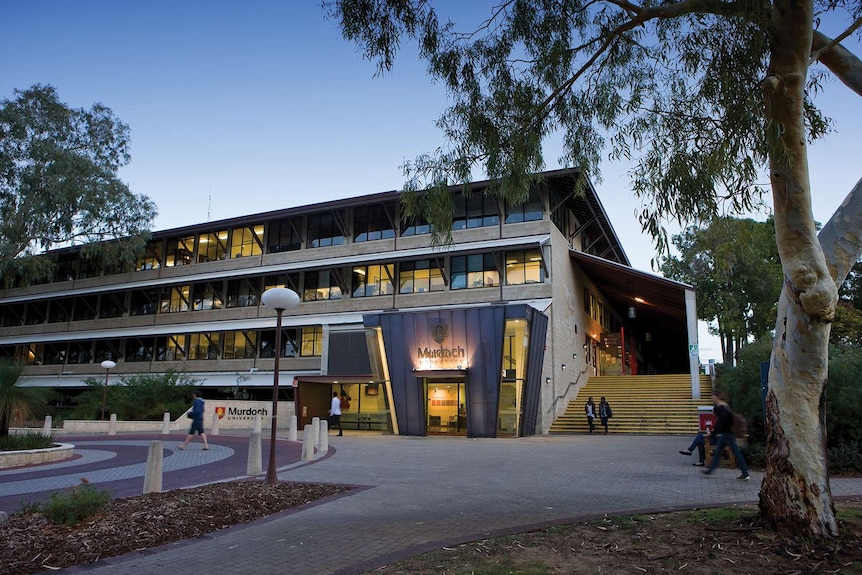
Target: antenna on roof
210, 204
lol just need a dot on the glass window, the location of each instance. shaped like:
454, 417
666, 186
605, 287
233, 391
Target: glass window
90, 267
37, 312
152, 258
531, 210
13, 314
84, 308
323, 231
67, 268
108, 349
55, 353
373, 280
524, 267
284, 235
144, 302
60, 310
372, 223
312, 341
28, 354
206, 296
204, 345
175, 299
288, 280
419, 276
112, 305
320, 286
171, 347
289, 347
212, 247
80, 352
247, 241
474, 271
139, 349
415, 226
476, 211
180, 251
240, 345
243, 292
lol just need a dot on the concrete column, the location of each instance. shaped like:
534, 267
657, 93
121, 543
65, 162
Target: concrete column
112, 425
258, 425
49, 424
308, 443
693, 346
155, 460
323, 437
215, 426
166, 423
255, 460
291, 428
315, 430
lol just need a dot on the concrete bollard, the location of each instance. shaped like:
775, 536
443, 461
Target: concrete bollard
255, 460
166, 423
291, 429
49, 423
155, 460
315, 430
215, 426
112, 425
308, 443
323, 437
258, 424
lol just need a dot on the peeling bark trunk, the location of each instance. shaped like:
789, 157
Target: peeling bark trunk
795, 495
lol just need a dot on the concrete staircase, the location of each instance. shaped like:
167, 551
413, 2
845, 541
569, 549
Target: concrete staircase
644, 404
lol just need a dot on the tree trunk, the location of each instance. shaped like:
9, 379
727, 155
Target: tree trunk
795, 495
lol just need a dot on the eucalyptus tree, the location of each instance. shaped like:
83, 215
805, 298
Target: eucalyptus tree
700, 95
59, 185
734, 267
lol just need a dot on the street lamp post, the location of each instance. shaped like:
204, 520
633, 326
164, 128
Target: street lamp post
107, 365
279, 299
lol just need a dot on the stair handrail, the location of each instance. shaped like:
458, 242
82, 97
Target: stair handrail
553, 408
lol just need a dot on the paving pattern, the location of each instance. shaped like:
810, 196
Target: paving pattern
420, 493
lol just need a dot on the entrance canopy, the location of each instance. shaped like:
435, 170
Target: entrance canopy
658, 305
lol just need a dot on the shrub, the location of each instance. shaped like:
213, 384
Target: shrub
141, 397
75, 505
26, 441
845, 458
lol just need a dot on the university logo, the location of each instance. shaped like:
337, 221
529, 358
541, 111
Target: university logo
439, 331
220, 411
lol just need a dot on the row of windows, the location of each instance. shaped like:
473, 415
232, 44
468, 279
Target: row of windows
304, 342
596, 309
369, 223
420, 276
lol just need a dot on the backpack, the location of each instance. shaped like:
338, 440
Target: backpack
739, 426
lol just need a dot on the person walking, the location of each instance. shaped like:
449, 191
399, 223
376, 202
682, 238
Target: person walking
605, 413
197, 416
724, 431
335, 413
590, 410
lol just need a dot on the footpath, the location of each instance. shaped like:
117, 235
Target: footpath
416, 494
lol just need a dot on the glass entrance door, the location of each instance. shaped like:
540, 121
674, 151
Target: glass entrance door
446, 412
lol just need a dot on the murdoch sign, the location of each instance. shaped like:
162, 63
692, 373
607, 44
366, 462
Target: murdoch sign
234, 414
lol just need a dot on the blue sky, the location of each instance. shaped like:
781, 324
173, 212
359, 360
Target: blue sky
262, 105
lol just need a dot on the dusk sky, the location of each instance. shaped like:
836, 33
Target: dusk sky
262, 105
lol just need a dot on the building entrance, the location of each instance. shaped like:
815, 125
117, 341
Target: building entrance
446, 412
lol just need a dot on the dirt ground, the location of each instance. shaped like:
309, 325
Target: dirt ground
726, 541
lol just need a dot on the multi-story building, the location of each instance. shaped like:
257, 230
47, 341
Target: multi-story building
489, 336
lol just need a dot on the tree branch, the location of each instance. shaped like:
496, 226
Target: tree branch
839, 238
840, 61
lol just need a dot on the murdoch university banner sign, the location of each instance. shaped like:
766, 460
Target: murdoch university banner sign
234, 414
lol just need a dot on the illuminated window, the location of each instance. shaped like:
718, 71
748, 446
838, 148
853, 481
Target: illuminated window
247, 241
212, 247
204, 345
312, 341
152, 258
180, 251
373, 280
207, 296
524, 267
171, 347
419, 276
320, 286
176, 299
240, 345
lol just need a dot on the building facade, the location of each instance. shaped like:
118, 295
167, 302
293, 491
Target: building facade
487, 337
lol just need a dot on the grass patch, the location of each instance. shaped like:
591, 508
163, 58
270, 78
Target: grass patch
26, 441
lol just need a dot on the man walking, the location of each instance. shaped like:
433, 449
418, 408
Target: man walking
724, 431
335, 413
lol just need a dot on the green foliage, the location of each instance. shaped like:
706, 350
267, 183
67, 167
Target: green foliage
846, 458
676, 91
843, 390
26, 441
138, 397
59, 183
16, 402
75, 505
